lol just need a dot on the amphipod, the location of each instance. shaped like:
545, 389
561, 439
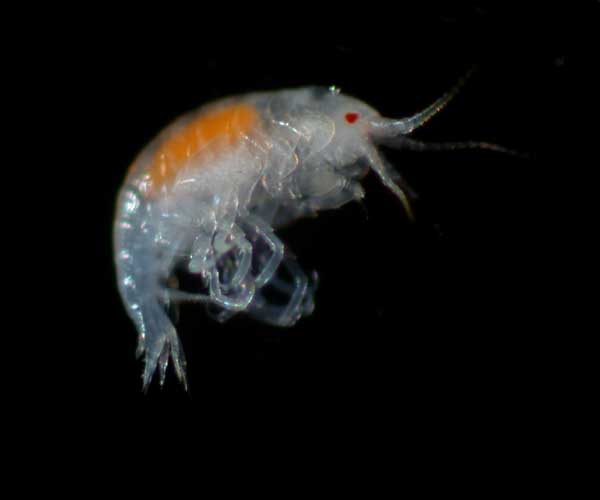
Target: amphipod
209, 192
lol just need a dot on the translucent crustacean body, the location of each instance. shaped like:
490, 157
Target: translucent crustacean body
209, 191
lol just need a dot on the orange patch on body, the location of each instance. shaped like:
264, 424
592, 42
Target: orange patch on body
223, 128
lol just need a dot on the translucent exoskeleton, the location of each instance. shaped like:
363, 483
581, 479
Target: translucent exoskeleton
210, 191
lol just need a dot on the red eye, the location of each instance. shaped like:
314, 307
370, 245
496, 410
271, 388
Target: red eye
351, 117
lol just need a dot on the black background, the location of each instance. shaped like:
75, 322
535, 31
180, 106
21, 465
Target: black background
442, 320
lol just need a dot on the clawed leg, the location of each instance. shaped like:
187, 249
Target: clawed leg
225, 269
240, 261
267, 265
247, 271
236, 300
299, 293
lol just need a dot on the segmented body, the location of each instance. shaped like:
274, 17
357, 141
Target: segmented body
209, 191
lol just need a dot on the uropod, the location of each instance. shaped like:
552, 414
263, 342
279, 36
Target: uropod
207, 194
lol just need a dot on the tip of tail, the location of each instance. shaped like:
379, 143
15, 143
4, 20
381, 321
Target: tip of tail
169, 349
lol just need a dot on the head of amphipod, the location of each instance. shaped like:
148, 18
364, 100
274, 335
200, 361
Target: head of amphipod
208, 195
338, 142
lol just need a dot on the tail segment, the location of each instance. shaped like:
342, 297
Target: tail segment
158, 344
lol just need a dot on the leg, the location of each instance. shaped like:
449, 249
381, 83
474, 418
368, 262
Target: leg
268, 266
232, 299
258, 242
243, 279
235, 258
299, 293
225, 268
387, 175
